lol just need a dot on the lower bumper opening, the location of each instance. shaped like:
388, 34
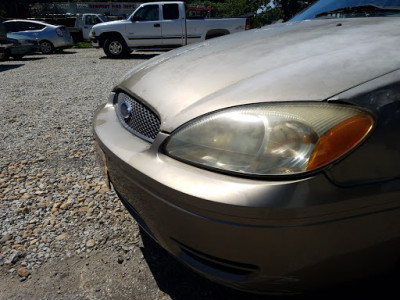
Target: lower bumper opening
218, 266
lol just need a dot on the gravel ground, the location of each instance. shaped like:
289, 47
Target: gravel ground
63, 234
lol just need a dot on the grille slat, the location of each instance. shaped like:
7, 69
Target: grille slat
137, 118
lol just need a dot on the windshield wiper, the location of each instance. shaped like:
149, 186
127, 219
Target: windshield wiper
367, 8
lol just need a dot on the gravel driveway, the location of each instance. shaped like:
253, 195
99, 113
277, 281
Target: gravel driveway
63, 234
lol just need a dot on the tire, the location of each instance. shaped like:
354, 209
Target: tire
46, 47
5, 56
114, 47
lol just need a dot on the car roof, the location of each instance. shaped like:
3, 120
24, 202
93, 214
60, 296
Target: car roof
31, 21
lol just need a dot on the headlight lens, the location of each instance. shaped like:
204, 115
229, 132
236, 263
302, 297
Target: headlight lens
271, 139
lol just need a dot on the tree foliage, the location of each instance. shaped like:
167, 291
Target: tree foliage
262, 11
290, 8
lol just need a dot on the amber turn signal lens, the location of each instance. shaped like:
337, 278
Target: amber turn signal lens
340, 139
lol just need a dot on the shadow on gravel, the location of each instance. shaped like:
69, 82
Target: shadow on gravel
64, 52
141, 56
181, 283
29, 58
9, 67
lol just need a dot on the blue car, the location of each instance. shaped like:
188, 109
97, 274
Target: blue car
21, 45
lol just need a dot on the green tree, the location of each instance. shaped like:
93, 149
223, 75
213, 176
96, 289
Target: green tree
259, 11
290, 8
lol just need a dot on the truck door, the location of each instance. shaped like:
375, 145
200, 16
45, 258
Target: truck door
145, 27
172, 27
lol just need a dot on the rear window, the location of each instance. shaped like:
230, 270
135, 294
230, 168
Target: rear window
171, 11
23, 26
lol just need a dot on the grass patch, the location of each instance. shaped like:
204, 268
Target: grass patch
82, 45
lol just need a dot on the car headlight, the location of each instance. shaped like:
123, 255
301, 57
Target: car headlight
271, 139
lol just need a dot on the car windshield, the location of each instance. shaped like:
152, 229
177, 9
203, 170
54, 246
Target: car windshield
350, 9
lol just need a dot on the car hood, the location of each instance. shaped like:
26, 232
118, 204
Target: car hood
108, 23
299, 61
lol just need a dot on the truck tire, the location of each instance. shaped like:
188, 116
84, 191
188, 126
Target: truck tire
114, 47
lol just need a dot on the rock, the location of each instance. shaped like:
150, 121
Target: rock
90, 243
62, 236
6, 238
14, 257
23, 272
65, 205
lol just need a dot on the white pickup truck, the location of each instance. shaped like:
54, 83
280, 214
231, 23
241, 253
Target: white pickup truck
160, 25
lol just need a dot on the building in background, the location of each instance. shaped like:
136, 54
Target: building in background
105, 8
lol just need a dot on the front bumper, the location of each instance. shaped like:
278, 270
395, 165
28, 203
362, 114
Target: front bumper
257, 235
95, 42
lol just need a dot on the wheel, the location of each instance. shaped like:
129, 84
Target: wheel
17, 57
115, 47
46, 47
5, 55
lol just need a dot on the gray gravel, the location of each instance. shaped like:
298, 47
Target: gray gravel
54, 200
63, 234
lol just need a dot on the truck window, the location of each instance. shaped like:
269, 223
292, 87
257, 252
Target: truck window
89, 20
170, 11
147, 13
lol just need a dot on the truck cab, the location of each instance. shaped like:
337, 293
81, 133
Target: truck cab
157, 24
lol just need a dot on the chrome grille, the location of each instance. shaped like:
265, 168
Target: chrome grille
137, 118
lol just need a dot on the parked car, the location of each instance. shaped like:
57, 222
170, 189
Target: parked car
51, 37
268, 160
21, 46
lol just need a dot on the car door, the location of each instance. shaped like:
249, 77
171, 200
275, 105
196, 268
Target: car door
145, 27
172, 26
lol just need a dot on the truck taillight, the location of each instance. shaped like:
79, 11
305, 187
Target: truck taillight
247, 24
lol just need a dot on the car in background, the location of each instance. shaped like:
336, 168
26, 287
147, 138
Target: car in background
21, 45
50, 37
268, 160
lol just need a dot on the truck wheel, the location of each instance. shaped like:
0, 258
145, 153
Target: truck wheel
114, 47
46, 47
